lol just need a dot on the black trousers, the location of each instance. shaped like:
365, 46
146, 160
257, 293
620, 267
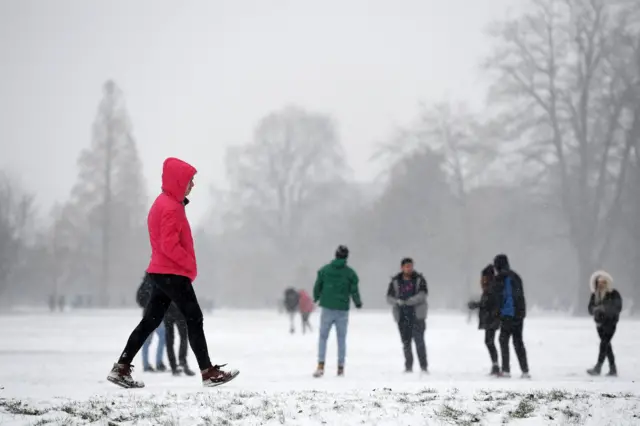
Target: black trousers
606, 333
305, 321
412, 329
167, 289
512, 327
489, 341
169, 324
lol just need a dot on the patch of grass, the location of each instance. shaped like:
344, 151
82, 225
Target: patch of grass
18, 407
524, 409
449, 412
571, 415
557, 395
428, 390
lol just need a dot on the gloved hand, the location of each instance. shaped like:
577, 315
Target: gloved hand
473, 304
359, 306
400, 302
599, 314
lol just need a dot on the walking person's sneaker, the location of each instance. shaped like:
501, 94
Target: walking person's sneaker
176, 371
613, 371
525, 375
408, 370
340, 371
121, 375
319, 370
187, 370
505, 374
161, 368
495, 370
216, 376
148, 369
424, 370
595, 371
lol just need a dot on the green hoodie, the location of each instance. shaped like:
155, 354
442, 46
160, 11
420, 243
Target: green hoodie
336, 282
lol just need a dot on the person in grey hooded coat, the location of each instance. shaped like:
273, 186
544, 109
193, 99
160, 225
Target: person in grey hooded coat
407, 293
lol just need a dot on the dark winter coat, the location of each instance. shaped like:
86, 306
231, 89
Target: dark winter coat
415, 300
605, 307
144, 291
488, 308
336, 285
517, 292
291, 299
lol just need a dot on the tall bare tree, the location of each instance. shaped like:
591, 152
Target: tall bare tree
291, 168
561, 74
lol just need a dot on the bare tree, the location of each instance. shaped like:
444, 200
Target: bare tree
16, 213
279, 180
559, 74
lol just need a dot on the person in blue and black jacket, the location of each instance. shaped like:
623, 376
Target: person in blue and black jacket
513, 310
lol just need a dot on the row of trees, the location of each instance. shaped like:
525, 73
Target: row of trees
547, 171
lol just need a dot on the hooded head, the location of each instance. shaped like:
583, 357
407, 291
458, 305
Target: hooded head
604, 277
501, 263
176, 178
488, 274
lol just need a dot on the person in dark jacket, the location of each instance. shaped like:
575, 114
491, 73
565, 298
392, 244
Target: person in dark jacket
291, 302
489, 314
605, 305
513, 310
407, 293
142, 297
335, 287
172, 318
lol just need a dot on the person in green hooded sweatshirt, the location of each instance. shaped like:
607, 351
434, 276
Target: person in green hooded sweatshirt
335, 286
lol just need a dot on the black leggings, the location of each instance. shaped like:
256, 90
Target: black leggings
606, 351
167, 289
512, 327
489, 341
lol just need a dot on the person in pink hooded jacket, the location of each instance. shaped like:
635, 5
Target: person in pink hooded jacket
306, 307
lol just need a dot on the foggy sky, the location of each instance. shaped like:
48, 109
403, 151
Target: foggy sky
198, 75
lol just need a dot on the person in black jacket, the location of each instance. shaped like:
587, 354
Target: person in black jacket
142, 297
291, 302
171, 318
513, 310
489, 315
605, 305
407, 293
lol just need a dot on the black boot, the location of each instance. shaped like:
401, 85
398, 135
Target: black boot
613, 371
495, 370
187, 370
595, 371
161, 367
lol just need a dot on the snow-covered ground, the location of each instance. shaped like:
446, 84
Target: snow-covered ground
53, 369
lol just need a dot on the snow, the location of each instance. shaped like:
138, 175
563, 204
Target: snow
53, 369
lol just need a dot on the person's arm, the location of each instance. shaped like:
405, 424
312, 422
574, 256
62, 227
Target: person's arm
317, 288
592, 303
614, 306
421, 296
355, 292
391, 294
170, 241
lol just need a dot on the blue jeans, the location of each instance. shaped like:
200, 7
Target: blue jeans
160, 331
328, 318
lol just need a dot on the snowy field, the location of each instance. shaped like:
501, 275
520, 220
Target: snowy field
53, 369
